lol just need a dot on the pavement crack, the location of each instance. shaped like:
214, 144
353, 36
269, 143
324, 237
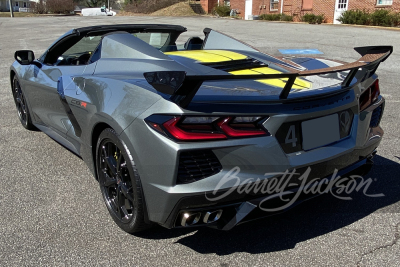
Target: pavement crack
391, 244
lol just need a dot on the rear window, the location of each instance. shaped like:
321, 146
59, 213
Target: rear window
155, 39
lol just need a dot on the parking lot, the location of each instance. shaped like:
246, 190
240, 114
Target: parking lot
52, 213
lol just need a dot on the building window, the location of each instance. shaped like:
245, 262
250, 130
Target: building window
274, 5
16, 3
385, 2
24, 4
342, 4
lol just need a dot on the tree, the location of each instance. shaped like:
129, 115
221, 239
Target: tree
39, 7
95, 3
60, 6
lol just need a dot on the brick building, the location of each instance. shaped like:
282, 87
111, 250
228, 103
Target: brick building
331, 9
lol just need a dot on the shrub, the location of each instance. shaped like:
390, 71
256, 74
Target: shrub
222, 11
395, 19
384, 17
313, 19
360, 17
276, 17
286, 18
39, 7
271, 17
148, 6
60, 6
381, 17
53, 6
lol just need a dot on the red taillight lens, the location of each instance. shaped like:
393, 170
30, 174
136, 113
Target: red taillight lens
365, 99
375, 91
239, 129
193, 128
178, 133
370, 95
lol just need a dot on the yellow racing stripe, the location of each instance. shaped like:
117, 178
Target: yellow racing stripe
229, 54
214, 56
298, 84
208, 56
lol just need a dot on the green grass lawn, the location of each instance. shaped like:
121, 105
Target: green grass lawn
17, 14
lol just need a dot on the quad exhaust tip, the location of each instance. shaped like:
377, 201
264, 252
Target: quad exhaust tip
212, 216
189, 219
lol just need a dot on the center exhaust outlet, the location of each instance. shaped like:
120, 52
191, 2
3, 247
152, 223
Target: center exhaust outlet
189, 219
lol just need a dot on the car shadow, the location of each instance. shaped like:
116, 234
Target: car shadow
308, 220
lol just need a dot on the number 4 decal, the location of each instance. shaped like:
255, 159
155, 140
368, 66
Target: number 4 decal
291, 136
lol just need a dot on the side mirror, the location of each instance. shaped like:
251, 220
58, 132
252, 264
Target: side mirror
24, 57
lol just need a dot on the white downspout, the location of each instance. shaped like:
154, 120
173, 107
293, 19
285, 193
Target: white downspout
281, 6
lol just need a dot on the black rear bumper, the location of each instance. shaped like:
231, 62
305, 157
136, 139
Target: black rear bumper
238, 208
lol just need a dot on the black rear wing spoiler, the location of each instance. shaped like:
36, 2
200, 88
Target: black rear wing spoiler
183, 88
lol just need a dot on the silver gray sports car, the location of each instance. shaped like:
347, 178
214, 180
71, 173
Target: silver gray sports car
172, 131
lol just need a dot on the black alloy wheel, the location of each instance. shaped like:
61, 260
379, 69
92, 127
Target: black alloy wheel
21, 105
119, 182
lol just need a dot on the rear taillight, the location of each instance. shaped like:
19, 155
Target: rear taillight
193, 128
369, 96
235, 129
193, 133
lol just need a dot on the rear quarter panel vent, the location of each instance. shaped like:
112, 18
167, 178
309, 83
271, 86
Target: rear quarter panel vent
196, 165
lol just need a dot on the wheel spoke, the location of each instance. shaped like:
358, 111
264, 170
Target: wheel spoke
120, 196
125, 191
108, 181
115, 206
18, 99
110, 161
125, 214
123, 165
119, 162
23, 105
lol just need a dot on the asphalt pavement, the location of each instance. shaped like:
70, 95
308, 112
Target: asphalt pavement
52, 213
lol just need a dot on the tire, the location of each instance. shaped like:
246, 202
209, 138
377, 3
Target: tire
120, 182
21, 105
